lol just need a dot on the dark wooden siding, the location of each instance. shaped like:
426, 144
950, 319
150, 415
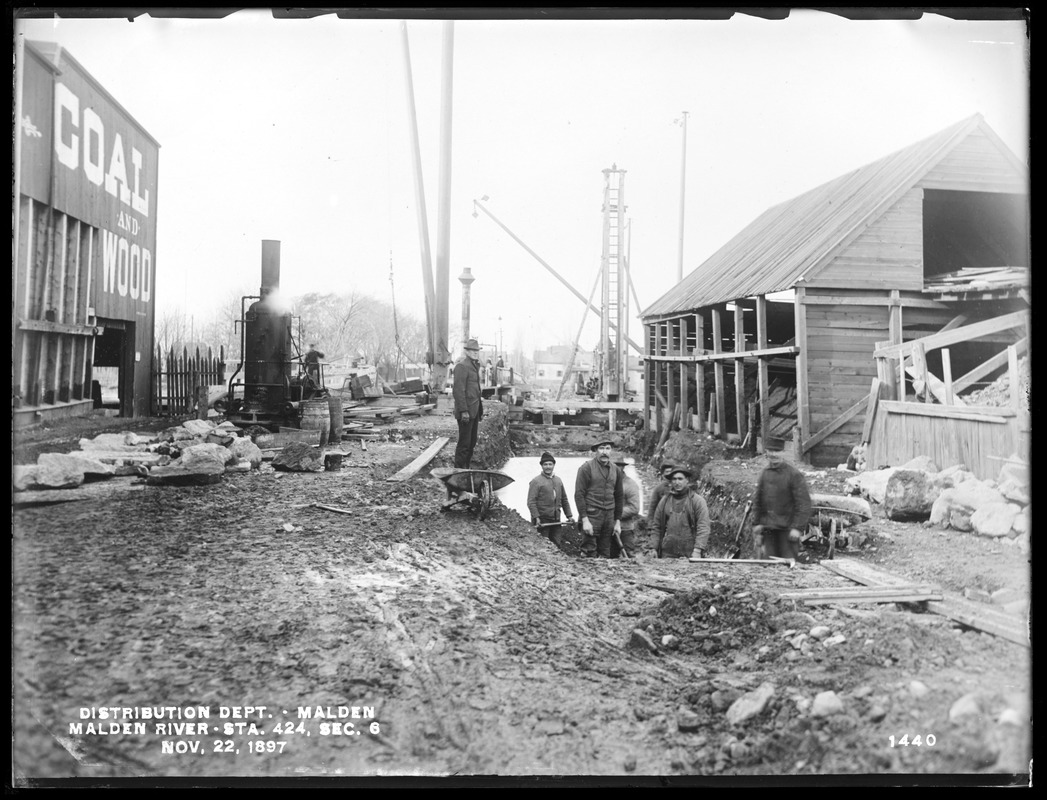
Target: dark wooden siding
889, 253
976, 164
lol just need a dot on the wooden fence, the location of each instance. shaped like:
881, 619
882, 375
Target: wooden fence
950, 431
176, 379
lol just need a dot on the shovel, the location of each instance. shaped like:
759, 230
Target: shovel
745, 515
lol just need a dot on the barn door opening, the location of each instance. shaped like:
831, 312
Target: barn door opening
113, 367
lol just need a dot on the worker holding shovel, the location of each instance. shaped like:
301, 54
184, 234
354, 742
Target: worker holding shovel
781, 507
681, 521
545, 498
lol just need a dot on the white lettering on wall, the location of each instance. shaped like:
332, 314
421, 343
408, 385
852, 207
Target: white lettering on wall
126, 268
70, 125
68, 152
94, 146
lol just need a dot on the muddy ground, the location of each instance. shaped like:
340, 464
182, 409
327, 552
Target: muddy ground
481, 649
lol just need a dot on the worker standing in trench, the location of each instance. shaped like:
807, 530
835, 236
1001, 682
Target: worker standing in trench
781, 507
659, 491
625, 545
681, 521
599, 499
545, 498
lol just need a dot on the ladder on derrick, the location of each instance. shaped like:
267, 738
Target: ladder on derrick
614, 319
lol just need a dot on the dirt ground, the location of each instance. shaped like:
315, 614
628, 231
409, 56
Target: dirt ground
477, 648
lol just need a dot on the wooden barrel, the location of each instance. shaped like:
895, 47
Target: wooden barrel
334, 405
316, 417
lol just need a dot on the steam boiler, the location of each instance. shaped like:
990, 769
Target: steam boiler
274, 383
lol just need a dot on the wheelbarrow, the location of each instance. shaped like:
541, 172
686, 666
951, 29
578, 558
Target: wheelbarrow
474, 488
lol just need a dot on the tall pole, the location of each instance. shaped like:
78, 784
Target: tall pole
419, 192
683, 187
442, 353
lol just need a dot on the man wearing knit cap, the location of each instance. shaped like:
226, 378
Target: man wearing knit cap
659, 491
599, 497
545, 498
468, 409
681, 521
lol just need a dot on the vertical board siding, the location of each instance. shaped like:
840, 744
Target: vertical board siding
897, 438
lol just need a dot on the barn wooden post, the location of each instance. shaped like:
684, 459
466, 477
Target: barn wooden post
803, 412
761, 369
721, 406
699, 373
739, 370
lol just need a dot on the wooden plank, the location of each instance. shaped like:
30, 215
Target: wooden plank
974, 615
426, 456
950, 395
987, 366
759, 562
910, 597
934, 387
721, 405
961, 334
862, 590
761, 368
750, 355
870, 410
825, 432
803, 415
980, 413
1014, 377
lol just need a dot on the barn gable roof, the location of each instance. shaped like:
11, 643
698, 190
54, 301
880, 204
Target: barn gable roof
792, 240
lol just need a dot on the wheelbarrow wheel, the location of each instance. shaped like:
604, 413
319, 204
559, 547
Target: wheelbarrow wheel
486, 498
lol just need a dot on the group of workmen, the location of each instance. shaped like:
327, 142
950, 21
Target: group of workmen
608, 500
608, 503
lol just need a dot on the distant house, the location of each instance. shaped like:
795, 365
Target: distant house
550, 366
906, 277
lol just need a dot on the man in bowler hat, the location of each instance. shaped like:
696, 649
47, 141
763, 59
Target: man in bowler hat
468, 408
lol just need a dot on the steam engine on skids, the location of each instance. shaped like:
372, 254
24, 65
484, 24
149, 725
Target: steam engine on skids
274, 382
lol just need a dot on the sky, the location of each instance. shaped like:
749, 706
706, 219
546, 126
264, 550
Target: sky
299, 131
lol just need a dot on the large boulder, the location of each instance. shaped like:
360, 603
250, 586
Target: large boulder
750, 704
994, 519
909, 495
92, 468
299, 457
871, 484
954, 507
951, 476
200, 474
207, 453
246, 450
57, 474
199, 427
24, 477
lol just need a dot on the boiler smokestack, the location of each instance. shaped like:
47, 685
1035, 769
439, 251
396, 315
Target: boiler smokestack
270, 267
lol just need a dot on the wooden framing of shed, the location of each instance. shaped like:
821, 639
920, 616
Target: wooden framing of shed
858, 255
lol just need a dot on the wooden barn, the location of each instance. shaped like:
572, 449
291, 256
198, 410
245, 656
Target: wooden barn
83, 280
880, 285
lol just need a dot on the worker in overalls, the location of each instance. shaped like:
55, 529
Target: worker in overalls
681, 521
599, 497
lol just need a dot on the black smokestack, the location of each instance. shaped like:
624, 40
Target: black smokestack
270, 267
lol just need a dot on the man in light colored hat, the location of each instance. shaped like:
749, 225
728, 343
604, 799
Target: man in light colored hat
630, 511
468, 407
599, 498
545, 498
681, 521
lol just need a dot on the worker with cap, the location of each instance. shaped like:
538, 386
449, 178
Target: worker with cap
659, 491
312, 364
625, 544
468, 408
681, 521
545, 498
599, 498
781, 507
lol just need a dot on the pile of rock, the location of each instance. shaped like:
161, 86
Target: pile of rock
918, 491
194, 453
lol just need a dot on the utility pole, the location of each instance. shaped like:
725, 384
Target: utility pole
683, 186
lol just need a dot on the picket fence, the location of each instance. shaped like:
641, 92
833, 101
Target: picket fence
176, 378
